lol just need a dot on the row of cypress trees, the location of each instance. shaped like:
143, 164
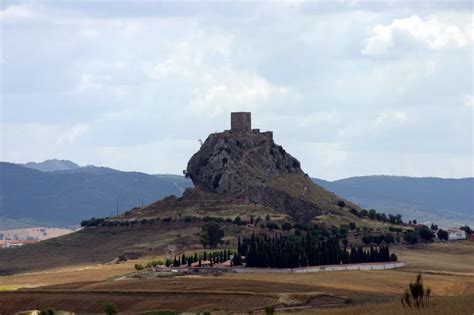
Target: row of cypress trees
306, 250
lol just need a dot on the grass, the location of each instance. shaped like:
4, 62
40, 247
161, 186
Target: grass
448, 270
453, 305
448, 257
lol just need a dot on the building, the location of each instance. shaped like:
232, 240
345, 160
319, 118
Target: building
241, 122
456, 234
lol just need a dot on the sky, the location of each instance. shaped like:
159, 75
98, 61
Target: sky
349, 88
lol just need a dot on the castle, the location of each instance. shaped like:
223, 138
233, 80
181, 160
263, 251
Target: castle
241, 122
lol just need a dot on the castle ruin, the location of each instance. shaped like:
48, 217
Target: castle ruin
241, 122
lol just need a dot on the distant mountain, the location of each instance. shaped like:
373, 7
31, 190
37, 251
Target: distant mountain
448, 201
69, 196
52, 165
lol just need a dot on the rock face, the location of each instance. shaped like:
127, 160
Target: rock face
242, 170
234, 163
246, 165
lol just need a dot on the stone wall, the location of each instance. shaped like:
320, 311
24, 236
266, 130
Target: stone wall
348, 267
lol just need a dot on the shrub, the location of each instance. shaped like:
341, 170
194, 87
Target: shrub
299, 226
411, 237
394, 229
110, 309
286, 226
341, 203
269, 309
466, 229
426, 234
272, 226
211, 234
47, 311
393, 257
367, 239
352, 226
188, 219
443, 235
416, 295
139, 267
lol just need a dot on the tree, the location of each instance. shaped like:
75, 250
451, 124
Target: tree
238, 221
367, 239
372, 214
466, 229
426, 234
286, 226
416, 295
110, 309
443, 235
47, 311
139, 267
269, 310
352, 226
410, 237
211, 235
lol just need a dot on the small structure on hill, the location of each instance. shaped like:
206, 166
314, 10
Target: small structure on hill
241, 122
456, 234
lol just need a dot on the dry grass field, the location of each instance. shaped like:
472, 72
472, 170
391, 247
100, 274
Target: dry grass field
86, 288
449, 257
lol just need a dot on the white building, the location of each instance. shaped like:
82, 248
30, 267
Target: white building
456, 234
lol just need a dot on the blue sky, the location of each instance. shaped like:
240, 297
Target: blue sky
348, 87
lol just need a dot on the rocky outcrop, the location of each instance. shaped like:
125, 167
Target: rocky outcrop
234, 163
243, 166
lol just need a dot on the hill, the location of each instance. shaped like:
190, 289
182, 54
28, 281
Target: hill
448, 201
52, 165
66, 197
235, 173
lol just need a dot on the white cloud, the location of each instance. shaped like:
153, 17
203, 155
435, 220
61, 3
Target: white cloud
16, 12
469, 100
431, 32
73, 134
102, 86
231, 89
89, 33
391, 118
88, 82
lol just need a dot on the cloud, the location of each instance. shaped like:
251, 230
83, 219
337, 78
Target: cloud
98, 83
398, 118
73, 134
431, 32
16, 12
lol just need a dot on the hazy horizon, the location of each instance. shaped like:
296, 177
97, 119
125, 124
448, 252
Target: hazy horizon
180, 174
350, 88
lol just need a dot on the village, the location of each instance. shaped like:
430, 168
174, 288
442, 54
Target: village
19, 237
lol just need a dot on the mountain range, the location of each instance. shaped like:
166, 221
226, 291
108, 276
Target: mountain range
60, 192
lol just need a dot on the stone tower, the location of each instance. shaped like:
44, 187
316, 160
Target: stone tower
241, 122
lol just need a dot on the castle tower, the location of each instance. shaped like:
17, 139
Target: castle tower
241, 122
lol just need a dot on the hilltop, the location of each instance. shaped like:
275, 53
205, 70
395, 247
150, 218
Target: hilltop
245, 168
